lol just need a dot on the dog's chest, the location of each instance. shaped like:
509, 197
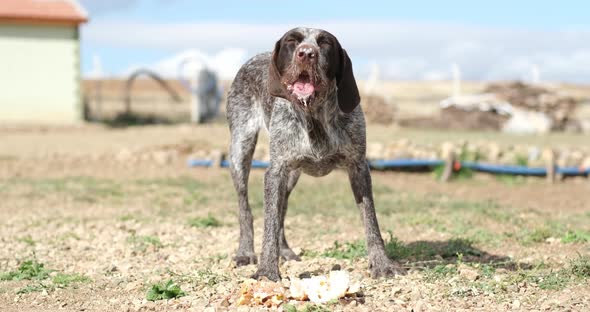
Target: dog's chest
314, 143
320, 144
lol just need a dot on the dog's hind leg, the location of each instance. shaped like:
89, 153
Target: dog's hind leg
285, 251
244, 134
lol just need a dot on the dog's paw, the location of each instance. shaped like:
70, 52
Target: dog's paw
288, 254
245, 259
272, 275
386, 268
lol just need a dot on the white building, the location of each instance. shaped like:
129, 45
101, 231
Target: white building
40, 77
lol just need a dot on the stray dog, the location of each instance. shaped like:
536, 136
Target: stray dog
305, 95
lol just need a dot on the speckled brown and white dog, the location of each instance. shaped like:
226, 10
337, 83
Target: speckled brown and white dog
305, 95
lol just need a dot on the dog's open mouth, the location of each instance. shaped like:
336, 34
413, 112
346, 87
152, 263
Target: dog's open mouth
303, 89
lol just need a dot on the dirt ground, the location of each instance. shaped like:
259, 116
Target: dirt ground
107, 218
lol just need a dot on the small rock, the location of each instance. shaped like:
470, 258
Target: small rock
516, 304
469, 273
416, 294
111, 268
552, 240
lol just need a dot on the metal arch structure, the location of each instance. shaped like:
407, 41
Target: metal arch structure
144, 71
206, 94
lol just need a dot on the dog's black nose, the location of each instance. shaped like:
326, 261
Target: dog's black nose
306, 52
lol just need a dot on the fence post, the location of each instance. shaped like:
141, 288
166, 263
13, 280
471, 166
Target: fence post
217, 157
549, 155
450, 159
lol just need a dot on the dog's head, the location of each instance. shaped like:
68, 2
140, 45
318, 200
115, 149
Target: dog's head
307, 64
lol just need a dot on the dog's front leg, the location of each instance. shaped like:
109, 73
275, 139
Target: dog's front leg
360, 181
275, 189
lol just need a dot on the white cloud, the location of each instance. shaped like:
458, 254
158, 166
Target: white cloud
403, 50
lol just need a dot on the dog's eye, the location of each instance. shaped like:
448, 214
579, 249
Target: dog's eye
324, 42
291, 40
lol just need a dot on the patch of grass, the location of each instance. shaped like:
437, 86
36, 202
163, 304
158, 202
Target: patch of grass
310, 253
395, 249
209, 221
511, 180
126, 217
555, 230
422, 250
538, 235
63, 280
580, 267
440, 271
575, 237
82, 189
142, 243
93, 190
459, 246
28, 239
539, 276
209, 278
33, 288
522, 160
33, 270
550, 281
164, 291
417, 251
348, 250
27, 270
201, 277
306, 198
183, 182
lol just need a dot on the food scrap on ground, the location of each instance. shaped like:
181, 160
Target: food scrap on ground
317, 289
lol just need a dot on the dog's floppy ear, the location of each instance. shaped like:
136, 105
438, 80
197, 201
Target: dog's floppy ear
348, 93
275, 86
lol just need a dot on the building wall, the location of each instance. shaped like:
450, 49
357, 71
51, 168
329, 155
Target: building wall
39, 73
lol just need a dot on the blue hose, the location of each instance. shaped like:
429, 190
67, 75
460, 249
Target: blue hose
505, 169
404, 163
421, 163
200, 163
255, 164
573, 171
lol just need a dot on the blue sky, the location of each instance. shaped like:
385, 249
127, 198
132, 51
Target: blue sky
405, 39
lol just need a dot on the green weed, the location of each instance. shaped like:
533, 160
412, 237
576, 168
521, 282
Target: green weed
575, 237
164, 291
142, 243
349, 251
209, 221
63, 280
27, 270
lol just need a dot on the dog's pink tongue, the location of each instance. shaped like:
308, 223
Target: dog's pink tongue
303, 89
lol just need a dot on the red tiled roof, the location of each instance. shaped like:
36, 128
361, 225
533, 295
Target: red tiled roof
51, 11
